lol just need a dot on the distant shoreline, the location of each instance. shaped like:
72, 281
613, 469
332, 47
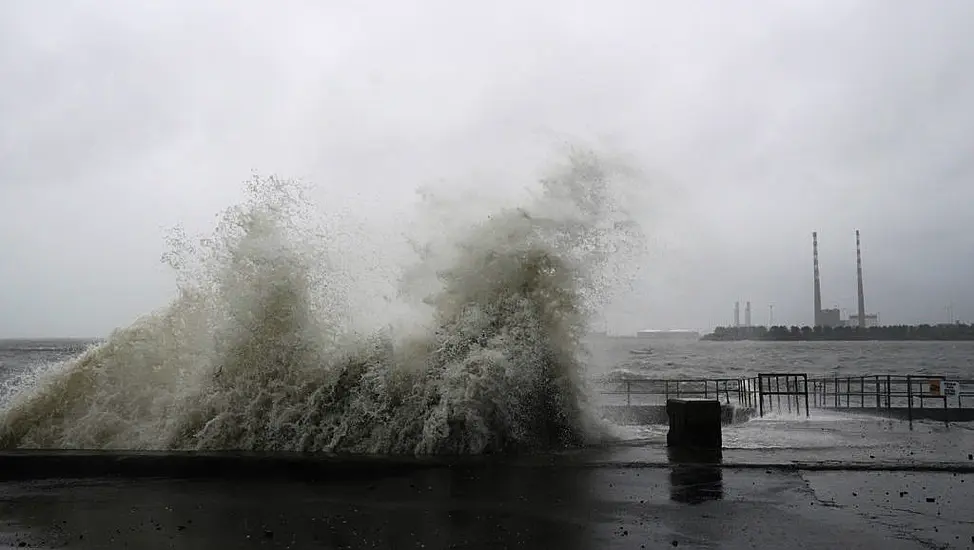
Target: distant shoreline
901, 333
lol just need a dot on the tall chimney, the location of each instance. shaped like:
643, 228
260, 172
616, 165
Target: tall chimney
862, 299
747, 314
737, 314
818, 287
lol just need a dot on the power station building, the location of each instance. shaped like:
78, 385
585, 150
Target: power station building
830, 318
872, 320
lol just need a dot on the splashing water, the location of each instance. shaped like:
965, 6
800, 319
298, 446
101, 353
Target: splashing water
257, 350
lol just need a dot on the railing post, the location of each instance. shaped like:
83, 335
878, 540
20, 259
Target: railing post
805, 384
877, 393
943, 395
798, 393
629, 394
755, 389
836, 391
889, 393
798, 396
761, 395
788, 391
777, 390
909, 397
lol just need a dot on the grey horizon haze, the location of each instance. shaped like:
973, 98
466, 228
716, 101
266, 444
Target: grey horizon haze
754, 123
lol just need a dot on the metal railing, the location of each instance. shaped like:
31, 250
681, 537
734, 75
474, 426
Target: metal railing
643, 391
907, 393
791, 393
765, 392
773, 387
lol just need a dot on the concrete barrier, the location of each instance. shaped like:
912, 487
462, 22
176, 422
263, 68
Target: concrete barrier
694, 424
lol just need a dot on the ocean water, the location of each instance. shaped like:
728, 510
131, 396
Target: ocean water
19, 354
694, 359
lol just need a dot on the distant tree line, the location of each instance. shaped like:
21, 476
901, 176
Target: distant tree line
956, 331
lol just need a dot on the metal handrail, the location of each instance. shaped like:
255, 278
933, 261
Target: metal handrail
749, 392
887, 392
764, 391
796, 388
719, 388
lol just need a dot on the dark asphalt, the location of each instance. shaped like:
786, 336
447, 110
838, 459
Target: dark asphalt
490, 505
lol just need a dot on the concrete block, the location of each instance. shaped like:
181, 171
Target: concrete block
694, 424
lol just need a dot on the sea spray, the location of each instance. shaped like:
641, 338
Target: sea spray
256, 351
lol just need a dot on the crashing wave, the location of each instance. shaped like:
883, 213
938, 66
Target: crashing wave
256, 353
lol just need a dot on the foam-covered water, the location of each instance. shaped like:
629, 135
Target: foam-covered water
260, 351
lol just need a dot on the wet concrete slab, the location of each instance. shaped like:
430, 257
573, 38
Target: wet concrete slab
681, 505
928, 510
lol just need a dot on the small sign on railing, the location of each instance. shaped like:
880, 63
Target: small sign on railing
934, 386
951, 389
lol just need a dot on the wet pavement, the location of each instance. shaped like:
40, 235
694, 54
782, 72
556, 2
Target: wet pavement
496, 507
813, 484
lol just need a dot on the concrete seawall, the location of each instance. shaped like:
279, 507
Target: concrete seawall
634, 415
903, 413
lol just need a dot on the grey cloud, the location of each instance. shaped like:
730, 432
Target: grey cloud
756, 122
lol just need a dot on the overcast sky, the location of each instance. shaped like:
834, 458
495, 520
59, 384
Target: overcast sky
756, 122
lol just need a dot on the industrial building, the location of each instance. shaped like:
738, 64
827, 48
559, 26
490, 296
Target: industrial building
833, 317
830, 318
872, 320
